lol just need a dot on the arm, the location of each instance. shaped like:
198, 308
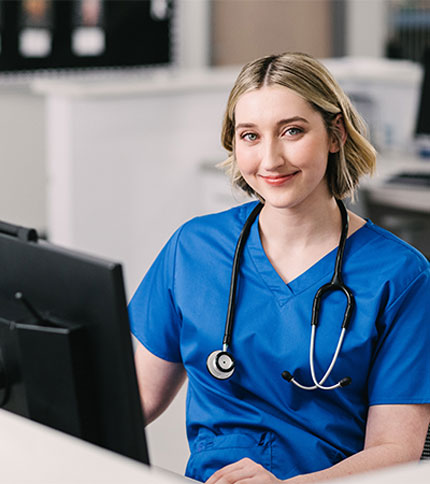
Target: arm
394, 434
159, 381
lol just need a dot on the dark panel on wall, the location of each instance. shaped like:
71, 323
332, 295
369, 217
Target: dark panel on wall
67, 34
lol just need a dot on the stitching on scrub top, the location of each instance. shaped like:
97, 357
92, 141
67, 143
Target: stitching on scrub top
179, 233
272, 291
407, 288
391, 237
281, 299
386, 400
423, 265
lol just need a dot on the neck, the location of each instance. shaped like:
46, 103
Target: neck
315, 222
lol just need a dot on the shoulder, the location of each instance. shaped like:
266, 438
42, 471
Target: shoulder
388, 260
204, 249
203, 236
226, 223
392, 249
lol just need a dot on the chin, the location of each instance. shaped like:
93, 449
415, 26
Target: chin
281, 204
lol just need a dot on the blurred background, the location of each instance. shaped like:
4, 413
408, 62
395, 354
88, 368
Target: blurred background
110, 118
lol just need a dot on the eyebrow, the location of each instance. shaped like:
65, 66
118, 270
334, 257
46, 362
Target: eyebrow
279, 123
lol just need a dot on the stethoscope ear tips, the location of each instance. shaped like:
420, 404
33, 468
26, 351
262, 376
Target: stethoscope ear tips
286, 375
220, 364
345, 381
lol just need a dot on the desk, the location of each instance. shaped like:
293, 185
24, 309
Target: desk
401, 208
33, 453
408, 473
395, 195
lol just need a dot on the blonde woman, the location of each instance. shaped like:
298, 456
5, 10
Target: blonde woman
276, 399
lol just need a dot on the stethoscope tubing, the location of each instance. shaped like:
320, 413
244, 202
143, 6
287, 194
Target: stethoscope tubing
221, 364
319, 384
235, 273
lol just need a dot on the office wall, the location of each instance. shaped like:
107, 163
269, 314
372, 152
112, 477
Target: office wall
22, 157
367, 27
245, 29
22, 147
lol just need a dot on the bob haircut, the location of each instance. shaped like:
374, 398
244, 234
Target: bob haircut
314, 83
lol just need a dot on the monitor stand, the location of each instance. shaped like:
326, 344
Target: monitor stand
42, 374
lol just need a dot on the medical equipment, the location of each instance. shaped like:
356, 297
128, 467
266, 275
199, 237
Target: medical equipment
221, 364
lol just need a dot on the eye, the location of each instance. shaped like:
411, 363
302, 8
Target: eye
293, 131
249, 136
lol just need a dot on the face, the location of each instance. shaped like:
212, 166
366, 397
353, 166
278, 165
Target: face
282, 146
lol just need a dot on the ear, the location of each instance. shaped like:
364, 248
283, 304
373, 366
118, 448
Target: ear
337, 126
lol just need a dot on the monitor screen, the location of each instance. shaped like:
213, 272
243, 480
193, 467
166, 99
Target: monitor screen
66, 357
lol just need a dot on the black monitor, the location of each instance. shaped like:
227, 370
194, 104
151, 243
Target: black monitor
66, 357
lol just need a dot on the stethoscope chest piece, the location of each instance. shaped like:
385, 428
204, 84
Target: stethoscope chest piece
220, 364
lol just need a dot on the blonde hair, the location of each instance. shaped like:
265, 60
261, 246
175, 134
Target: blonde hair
313, 82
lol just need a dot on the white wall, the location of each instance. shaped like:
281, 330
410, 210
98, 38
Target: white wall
191, 34
22, 157
366, 27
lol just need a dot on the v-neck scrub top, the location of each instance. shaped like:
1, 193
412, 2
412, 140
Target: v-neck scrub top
178, 313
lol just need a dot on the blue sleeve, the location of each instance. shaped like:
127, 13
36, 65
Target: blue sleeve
154, 318
400, 373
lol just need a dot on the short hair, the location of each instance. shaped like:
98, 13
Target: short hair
313, 82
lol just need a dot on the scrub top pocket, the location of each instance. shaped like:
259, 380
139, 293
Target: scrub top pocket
212, 452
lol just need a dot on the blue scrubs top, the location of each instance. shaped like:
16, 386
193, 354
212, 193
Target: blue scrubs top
178, 313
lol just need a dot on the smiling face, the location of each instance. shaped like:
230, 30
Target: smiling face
281, 146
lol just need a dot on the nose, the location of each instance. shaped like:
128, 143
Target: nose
272, 156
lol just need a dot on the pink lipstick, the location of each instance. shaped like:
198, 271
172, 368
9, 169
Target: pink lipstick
278, 180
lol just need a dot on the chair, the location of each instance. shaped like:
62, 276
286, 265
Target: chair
426, 452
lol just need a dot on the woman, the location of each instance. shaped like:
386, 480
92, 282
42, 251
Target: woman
295, 142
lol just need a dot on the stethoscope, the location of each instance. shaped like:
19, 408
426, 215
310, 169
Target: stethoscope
221, 364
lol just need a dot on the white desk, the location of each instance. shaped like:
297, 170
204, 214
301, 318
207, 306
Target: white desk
32, 453
402, 208
399, 195
418, 473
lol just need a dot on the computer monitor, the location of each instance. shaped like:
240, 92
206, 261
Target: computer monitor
66, 357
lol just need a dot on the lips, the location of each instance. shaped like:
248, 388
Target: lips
277, 180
